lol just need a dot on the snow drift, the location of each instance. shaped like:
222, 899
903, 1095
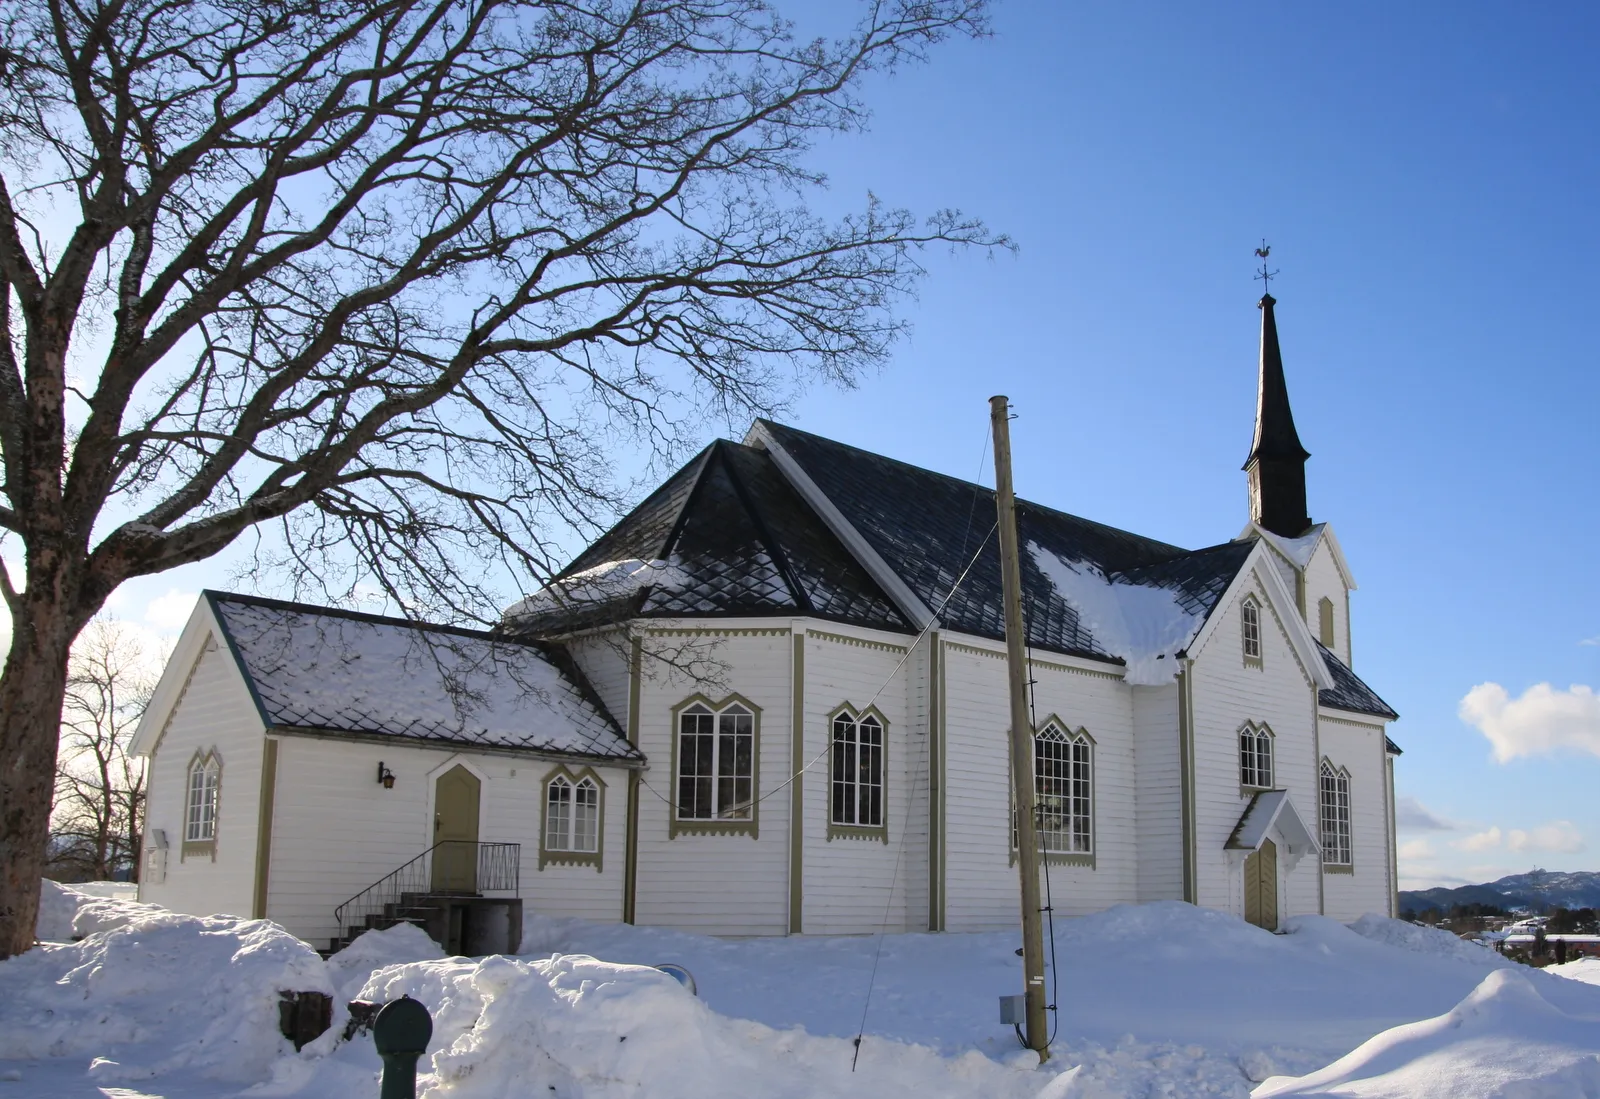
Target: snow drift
149, 992
1504, 1041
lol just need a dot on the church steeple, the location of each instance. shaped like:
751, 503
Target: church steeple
1277, 463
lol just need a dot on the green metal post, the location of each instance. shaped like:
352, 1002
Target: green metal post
401, 1032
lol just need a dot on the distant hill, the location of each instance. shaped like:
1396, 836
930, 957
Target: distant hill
1537, 889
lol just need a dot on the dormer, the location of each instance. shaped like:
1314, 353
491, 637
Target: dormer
1313, 567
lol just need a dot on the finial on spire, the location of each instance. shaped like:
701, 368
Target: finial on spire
1265, 275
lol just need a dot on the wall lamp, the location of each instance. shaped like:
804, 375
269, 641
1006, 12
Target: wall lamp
385, 776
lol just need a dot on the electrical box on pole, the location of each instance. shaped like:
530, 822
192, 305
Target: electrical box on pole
1037, 1032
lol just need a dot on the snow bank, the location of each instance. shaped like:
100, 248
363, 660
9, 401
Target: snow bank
1586, 970
1504, 1041
572, 1025
149, 992
58, 904
351, 967
1426, 940
1143, 624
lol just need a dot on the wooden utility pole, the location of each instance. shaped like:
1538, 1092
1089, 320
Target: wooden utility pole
1021, 732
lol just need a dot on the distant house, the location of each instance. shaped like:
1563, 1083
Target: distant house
772, 700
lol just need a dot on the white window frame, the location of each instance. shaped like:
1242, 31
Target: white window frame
1064, 794
560, 841
857, 773
1257, 765
1250, 637
731, 794
202, 804
1333, 786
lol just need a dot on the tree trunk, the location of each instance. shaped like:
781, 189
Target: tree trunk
32, 689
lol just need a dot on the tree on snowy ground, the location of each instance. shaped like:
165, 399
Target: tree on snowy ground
98, 816
388, 281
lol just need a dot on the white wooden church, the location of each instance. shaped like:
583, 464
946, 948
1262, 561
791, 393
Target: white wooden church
762, 705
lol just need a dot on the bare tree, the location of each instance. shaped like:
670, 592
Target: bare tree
396, 277
98, 817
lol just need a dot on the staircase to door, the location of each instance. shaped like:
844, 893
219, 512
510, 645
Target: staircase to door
427, 892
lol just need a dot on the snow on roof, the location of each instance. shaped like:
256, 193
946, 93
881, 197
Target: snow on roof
317, 668
1298, 550
1145, 625
1268, 808
604, 583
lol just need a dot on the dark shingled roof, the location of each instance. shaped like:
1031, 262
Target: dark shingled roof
740, 542
927, 526
338, 672
1349, 692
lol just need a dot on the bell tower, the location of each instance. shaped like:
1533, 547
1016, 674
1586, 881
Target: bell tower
1277, 463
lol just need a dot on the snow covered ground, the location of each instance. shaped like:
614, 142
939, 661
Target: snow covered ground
1156, 1000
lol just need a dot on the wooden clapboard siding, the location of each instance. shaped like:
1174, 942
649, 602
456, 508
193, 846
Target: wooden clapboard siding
1324, 582
715, 884
215, 712
1358, 747
603, 659
1227, 693
337, 830
1158, 791
858, 885
981, 879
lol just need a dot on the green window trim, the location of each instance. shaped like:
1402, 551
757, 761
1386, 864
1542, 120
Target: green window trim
1325, 623
707, 826
206, 847
1087, 858
565, 856
879, 831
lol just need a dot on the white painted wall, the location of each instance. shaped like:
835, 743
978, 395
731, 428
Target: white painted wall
715, 884
1358, 747
1227, 693
1158, 789
857, 886
1324, 581
214, 712
603, 659
336, 830
981, 882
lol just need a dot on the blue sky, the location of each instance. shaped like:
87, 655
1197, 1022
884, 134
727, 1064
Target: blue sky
1426, 175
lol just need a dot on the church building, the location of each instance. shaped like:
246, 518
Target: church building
773, 700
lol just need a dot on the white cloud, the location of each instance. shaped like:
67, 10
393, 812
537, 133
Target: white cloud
1543, 720
1416, 849
169, 612
1590, 640
1558, 835
1480, 841
1410, 815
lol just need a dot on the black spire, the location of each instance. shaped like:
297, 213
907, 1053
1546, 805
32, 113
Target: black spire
1277, 462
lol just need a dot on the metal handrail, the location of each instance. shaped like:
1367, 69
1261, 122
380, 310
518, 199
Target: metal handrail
498, 870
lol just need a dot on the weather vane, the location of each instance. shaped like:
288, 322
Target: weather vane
1264, 275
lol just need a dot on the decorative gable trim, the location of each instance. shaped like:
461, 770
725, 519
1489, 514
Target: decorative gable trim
1270, 584
199, 637
914, 609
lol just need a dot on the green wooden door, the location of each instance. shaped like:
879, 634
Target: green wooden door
455, 831
1261, 886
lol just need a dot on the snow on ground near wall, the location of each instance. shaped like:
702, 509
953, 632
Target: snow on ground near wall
1143, 624
153, 992
1158, 1000
1504, 1041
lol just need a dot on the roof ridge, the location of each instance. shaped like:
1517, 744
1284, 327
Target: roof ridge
1021, 501
775, 550
358, 616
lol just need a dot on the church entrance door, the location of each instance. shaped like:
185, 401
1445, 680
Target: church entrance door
1261, 886
455, 831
